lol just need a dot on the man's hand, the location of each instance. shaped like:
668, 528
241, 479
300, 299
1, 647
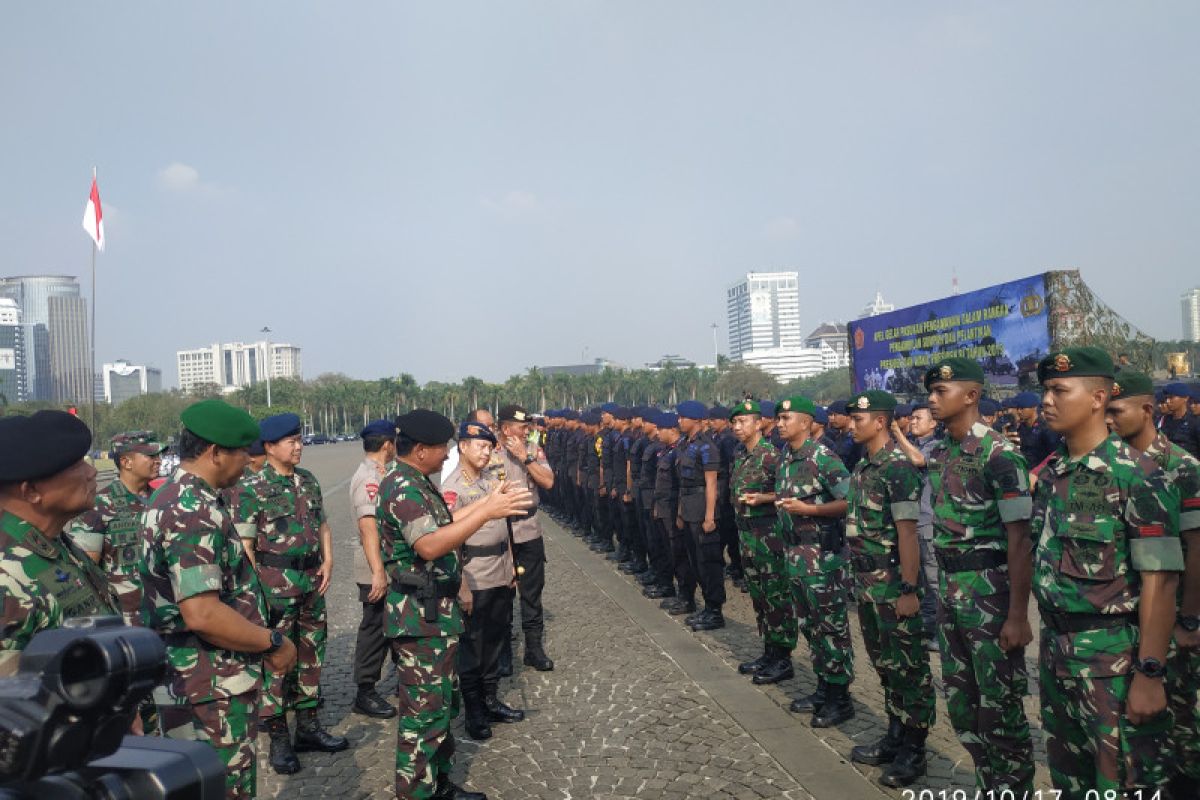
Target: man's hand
709, 525
627, 498
679, 523
1015, 634
1013, 437
794, 505
896, 432
508, 500
379, 586
755, 498
907, 606
466, 599
1147, 698
282, 660
136, 728
613, 494
325, 573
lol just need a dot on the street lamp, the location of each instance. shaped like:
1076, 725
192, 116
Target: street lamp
716, 354
267, 331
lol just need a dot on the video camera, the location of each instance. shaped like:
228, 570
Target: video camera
64, 718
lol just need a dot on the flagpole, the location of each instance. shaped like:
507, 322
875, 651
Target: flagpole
92, 376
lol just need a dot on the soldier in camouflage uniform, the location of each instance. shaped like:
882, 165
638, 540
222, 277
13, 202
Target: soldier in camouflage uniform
281, 519
881, 527
420, 542
752, 498
811, 499
1131, 416
979, 492
1106, 563
199, 588
44, 577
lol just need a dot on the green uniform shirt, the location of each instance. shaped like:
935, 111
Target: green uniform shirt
282, 515
1183, 472
814, 474
884, 488
111, 529
753, 473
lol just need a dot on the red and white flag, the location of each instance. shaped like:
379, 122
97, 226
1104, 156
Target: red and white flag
93, 217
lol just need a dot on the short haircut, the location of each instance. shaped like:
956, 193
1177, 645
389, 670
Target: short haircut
375, 442
191, 446
404, 444
1099, 382
474, 416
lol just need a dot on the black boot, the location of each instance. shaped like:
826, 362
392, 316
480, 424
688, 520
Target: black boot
476, 722
754, 665
910, 761
535, 656
505, 668
837, 707
679, 605
311, 736
498, 711
804, 705
778, 669
710, 619
448, 791
283, 758
370, 702
885, 749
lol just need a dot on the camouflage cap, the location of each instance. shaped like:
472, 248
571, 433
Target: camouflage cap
954, 369
745, 407
798, 404
144, 442
1130, 383
871, 400
218, 422
1076, 362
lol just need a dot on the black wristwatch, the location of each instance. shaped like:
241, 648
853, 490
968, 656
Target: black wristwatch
1150, 667
1189, 622
530, 459
276, 643
907, 588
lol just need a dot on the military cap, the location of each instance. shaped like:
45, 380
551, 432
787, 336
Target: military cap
1007, 403
218, 422
513, 413
1130, 383
136, 442
1195, 393
745, 407
469, 429
1176, 390
279, 426
768, 408
1076, 362
903, 410
692, 409
920, 405
954, 369
1160, 396
256, 448
820, 415
425, 427
668, 420
608, 408
622, 414
798, 404
838, 407
41, 445
871, 400
989, 407
718, 412
379, 427
590, 417
1026, 400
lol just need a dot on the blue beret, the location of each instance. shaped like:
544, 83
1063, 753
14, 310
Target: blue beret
820, 415
379, 427
622, 414
767, 407
903, 410
988, 407
718, 412
256, 448
469, 429
1026, 400
609, 408
279, 426
1176, 390
1195, 393
836, 407
668, 420
692, 409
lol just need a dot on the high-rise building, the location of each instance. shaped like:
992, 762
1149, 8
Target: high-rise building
876, 307
122, 380
1191, 315
12, 353
764, 312
32, 295
830, 339
70, 359
235, 365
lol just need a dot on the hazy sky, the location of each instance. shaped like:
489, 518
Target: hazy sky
476, 188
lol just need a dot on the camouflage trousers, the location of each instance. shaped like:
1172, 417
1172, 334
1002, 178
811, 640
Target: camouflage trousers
985, 687
428, 703
896, 647
1183, 696
818, 583
764, 566
1090, 745
230, 725
301, 619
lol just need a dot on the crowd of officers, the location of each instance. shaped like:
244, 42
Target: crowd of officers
939, 520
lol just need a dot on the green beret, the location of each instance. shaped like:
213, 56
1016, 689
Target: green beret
220, 423
1076, 362
801, 405
745, 407
873, 400
1129, 383
954, 369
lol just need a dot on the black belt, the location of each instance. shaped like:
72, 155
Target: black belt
485, 550
874, 563
951, 562
830, 541
178, 638
303, 563
1063, 622
691, 490
755, 523
440, 588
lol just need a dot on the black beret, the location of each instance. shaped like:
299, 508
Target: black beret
41, 445
513, 413
425, 426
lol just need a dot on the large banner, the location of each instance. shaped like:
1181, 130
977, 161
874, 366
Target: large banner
1005, 328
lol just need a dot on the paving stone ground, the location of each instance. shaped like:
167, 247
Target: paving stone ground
636, 706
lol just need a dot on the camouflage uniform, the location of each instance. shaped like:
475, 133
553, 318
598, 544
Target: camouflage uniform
817, 558
211, 694
409, 507
886, 488
111, 529
280, 517
43, 582
976, 485
1098, 521
763, 561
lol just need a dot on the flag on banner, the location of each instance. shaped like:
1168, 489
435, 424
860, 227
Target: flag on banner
93, 217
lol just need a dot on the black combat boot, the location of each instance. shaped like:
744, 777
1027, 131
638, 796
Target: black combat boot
885, 749
310, 736
476, 722
283, 758
372, 703
808, 703
837, 707
535, 655
656, 592
776, 670
446, 790
498, 711
910, 761
754, 665
679, 605
710, 619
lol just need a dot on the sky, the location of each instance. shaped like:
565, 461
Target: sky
477, 188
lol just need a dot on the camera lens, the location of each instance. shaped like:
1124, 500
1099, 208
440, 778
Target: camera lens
83, 675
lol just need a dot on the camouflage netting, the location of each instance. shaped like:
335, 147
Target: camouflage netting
1078, 317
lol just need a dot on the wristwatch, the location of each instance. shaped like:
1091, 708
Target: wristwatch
276, 643
907, 588
1189, 622
1150, 667
530, 459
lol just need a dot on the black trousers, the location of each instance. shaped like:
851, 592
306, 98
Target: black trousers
658, 548
707, 563
532, 556
600, 515
488, 627
371, 647
633, 532
727, 525
681, 557
616, 520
